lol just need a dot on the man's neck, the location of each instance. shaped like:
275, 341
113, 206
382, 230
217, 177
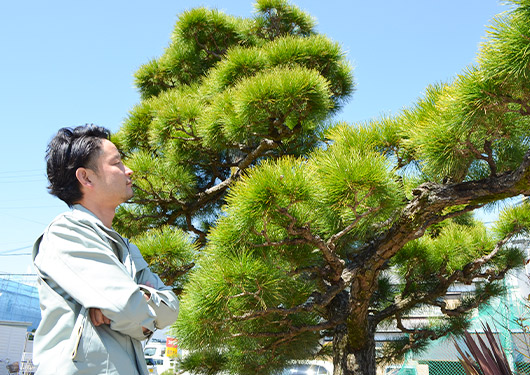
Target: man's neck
105, 214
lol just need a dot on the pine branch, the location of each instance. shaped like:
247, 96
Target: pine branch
423, 211
315, 302
265, 145
508, 99
292, 331
416, 337
466, 276
430, 198
196, 202
200, 233
488, 158
329, 255
331, 243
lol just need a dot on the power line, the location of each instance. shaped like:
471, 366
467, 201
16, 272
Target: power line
20, 181
19, 175
17, 249
14, 255
22, 171
27, 207
24, 218
22, 175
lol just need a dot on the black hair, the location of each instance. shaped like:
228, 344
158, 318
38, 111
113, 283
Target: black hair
69, 150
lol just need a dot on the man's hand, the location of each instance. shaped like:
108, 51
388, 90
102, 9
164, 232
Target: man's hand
97, 317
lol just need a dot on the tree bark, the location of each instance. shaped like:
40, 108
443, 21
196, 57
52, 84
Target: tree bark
355, 356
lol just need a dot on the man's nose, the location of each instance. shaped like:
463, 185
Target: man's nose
128, 171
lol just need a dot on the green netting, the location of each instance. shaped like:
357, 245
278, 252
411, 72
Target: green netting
445, 368
522, 368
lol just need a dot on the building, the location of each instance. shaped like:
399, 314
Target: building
13, 340
19, 299
19, 317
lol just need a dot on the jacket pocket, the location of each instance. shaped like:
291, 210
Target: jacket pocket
78, 330
89, 350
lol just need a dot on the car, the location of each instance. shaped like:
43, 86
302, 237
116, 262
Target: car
155, 350
156, 358
151, 366
309, 368
401, 370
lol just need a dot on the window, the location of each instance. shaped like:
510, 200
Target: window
149, 352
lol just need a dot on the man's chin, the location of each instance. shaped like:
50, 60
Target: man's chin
128, 196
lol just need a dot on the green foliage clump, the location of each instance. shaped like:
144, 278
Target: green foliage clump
162, 245
451, 250
204, 362
515, 219
223, 87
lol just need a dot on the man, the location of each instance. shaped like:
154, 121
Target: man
98, 298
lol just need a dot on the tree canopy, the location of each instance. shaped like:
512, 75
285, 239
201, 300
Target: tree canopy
282, 227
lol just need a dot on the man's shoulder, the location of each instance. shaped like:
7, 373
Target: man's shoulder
75, 223
65, 232
80, 224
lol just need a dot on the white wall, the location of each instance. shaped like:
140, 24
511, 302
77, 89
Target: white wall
12, 339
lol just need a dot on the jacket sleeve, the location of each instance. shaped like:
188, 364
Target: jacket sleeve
163, 301
84, 265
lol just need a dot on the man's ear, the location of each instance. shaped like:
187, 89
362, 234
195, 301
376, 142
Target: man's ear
84, 176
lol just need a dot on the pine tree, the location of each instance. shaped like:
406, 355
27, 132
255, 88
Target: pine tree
281, 228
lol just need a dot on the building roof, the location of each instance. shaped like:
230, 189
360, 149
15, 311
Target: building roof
19, 301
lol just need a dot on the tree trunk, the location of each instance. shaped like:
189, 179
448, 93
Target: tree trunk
351, 354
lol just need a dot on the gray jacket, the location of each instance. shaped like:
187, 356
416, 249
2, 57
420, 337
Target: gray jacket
83, 264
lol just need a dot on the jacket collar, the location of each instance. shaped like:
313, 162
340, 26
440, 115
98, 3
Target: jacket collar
84, 214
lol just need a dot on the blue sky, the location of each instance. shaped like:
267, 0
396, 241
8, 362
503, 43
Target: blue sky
67, 63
